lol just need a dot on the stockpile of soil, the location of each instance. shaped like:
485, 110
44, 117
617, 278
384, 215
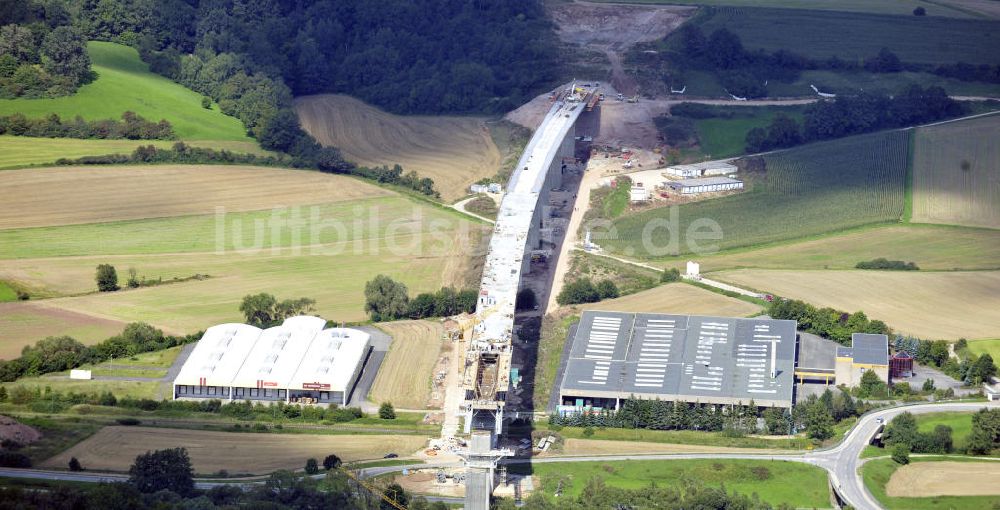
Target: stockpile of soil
13, 430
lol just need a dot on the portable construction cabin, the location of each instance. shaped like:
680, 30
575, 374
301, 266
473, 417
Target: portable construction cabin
705, 185
705, 169
215, 360
638, 194
269, 366
331, 366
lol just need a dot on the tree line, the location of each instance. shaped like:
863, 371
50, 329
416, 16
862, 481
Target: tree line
670, 415
863, 112
183, 153
970, 369
883, 263
902, 432
584, 290
56, 354
131, 127
50, 401
817, 415
826, 322
41, 53
388, 300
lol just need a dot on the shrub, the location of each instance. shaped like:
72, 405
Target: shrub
386, 411
901, 454
919, 11
670, 275
331, 461
128, 421
578, 291
760, 473
607, 289
885, 264
206, 103
74, 464
107, 278
14, 460
312, 467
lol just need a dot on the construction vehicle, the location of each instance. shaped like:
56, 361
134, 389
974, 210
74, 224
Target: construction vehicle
620, 96
634, 99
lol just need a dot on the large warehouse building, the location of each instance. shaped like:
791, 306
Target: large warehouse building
298, 361
711, 360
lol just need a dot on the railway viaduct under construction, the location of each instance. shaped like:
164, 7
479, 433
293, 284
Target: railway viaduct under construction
516, 233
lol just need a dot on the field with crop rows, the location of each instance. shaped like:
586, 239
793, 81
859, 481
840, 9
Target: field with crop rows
404, 378
23, 151
956, 173
115, 448
944, 305
933, 247
808, 190
453, 151
854, 35
307, 234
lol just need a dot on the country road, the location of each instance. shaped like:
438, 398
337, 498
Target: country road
842, 461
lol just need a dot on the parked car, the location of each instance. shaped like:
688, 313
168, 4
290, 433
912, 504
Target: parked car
390, 456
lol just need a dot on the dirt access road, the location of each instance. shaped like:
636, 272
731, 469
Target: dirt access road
612, 29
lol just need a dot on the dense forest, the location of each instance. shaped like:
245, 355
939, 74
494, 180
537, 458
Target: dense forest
407, 56
41, 54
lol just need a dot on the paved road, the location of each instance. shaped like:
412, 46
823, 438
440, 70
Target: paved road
842, 461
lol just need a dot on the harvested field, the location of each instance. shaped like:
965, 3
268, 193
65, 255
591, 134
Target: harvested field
678, 298
956, 173
115, 448
26, 322
51, 196
453, 151
405, 376
23, 151
940, 305
611, 447
327, 258
926, 479
929, 246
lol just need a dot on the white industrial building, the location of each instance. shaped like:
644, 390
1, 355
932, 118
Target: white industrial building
298, 361
705, 185
705, 169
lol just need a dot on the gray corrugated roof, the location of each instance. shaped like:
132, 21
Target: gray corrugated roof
704, 181
681, 356
870, 349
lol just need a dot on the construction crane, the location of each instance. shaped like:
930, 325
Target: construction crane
372, 489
